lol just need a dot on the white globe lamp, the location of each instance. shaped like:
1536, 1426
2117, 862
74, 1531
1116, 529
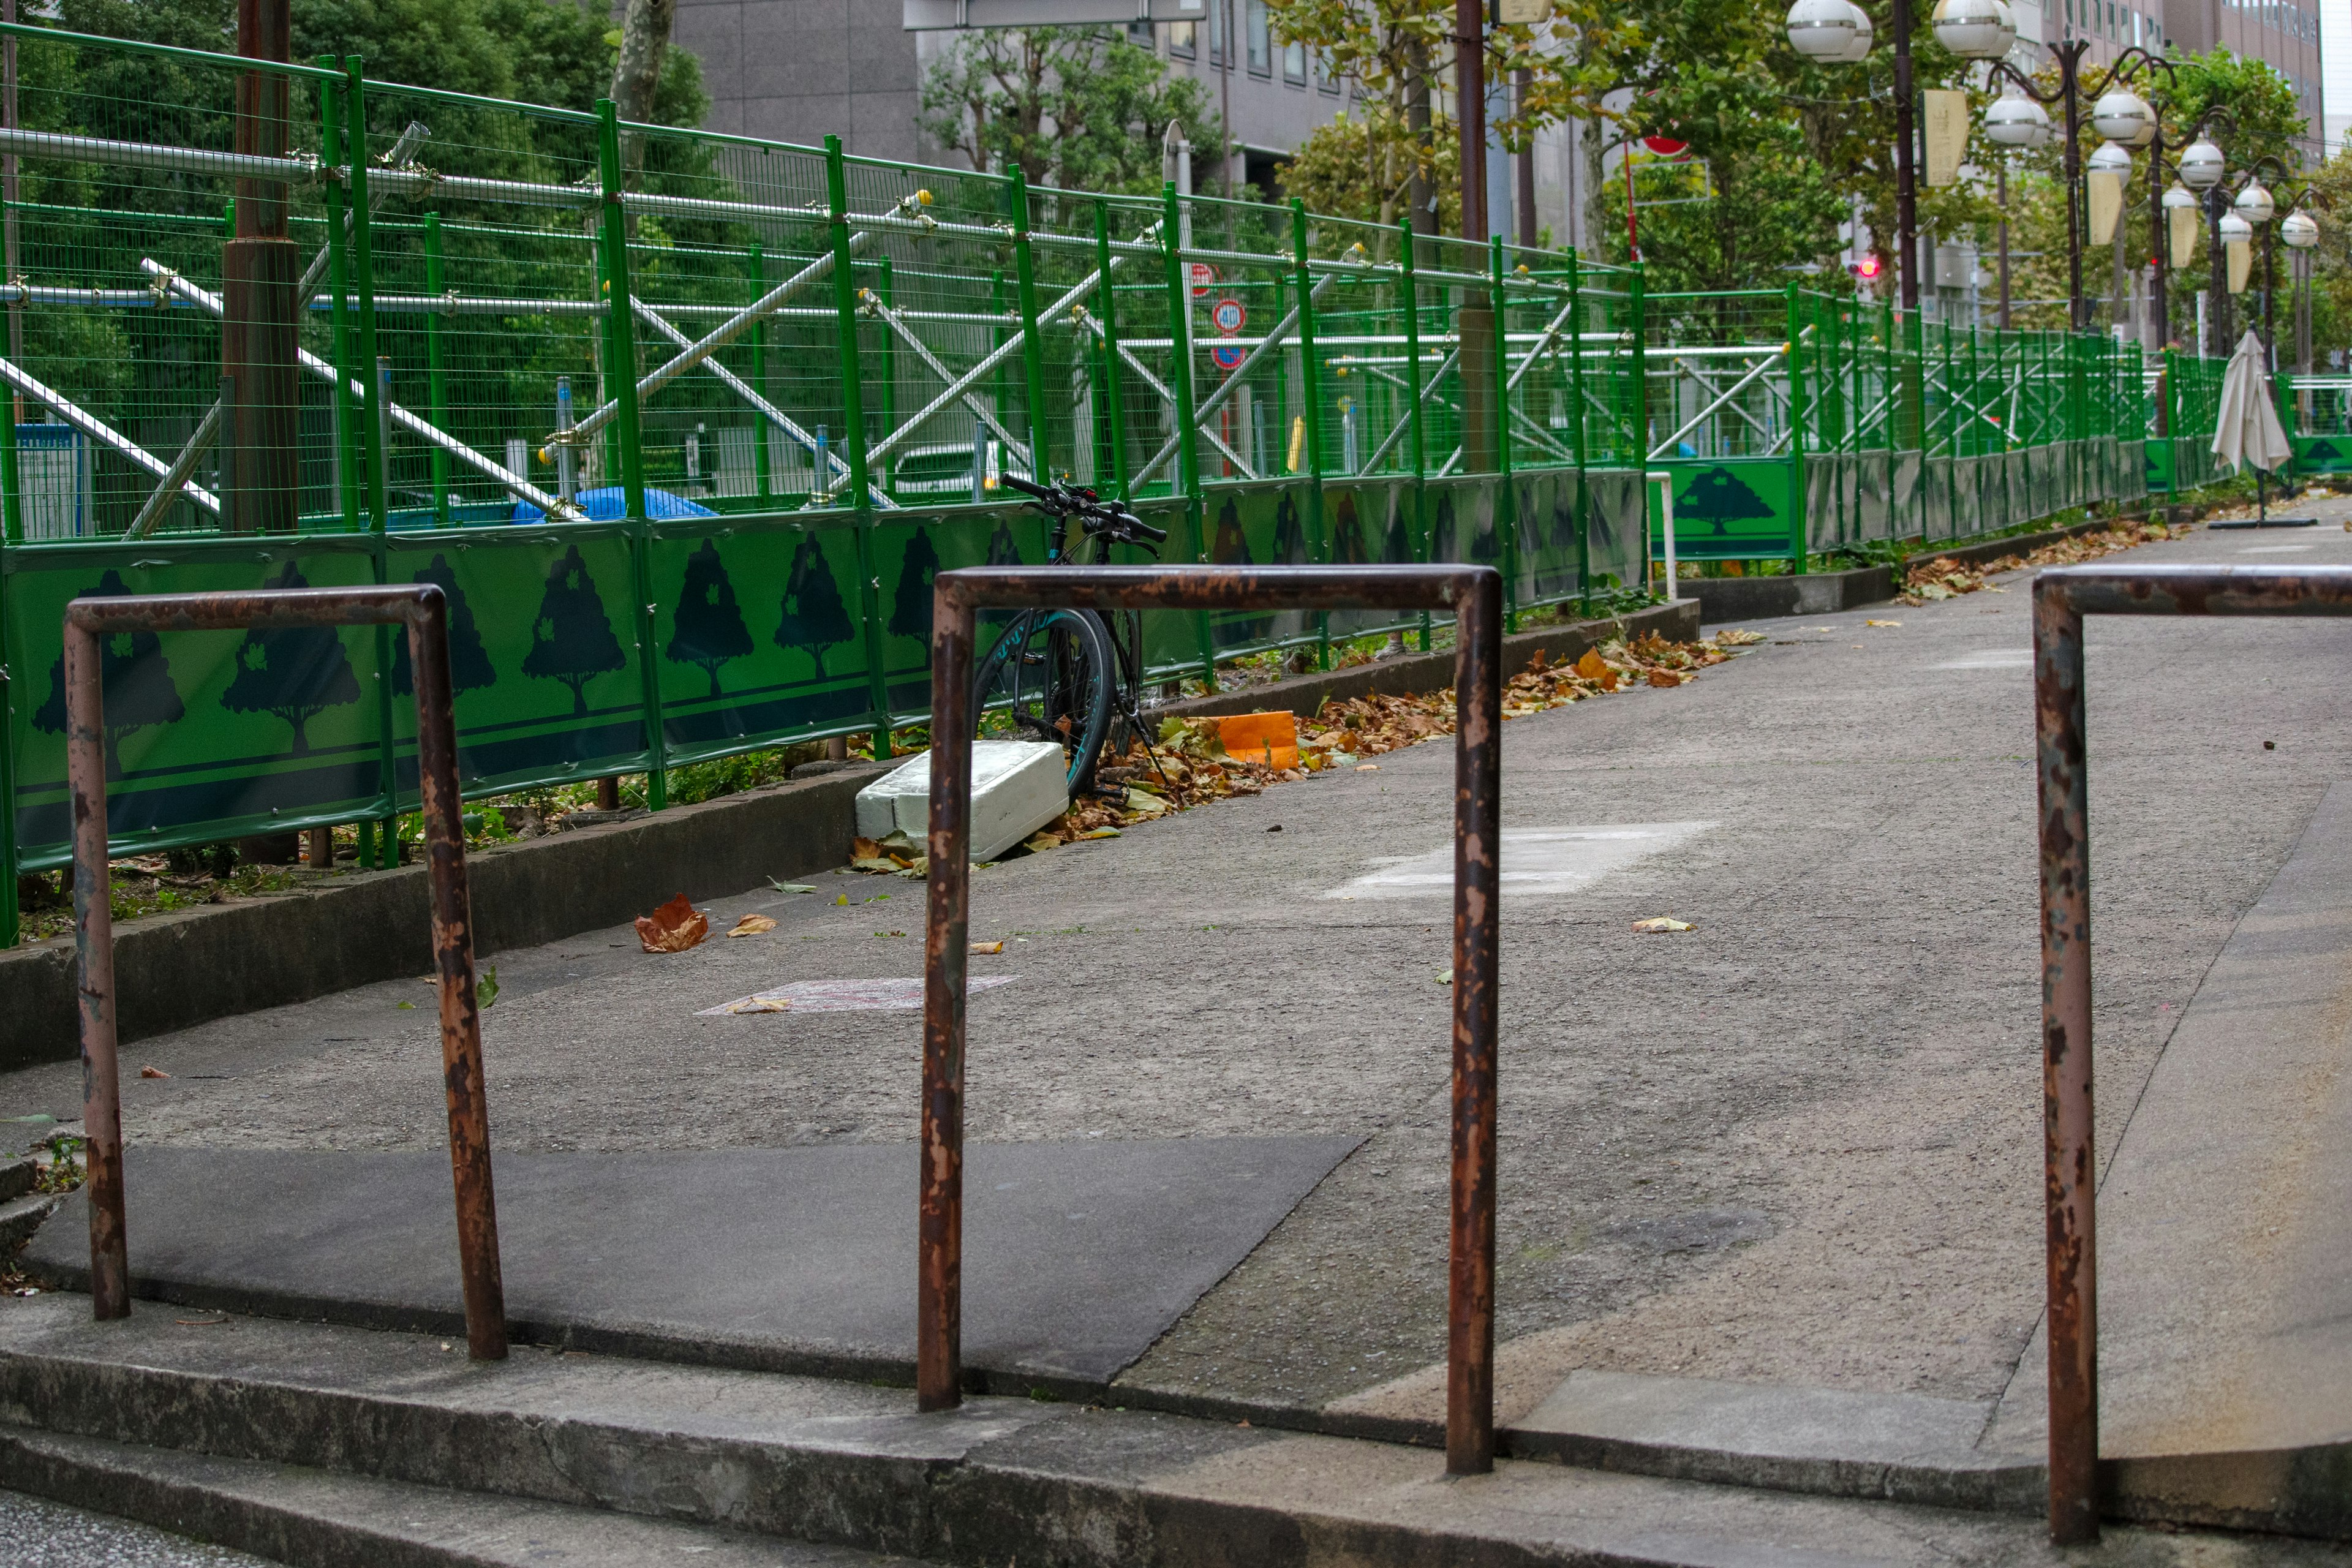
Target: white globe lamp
2254, 204
1975, 29
2201, 165
2017, 122
1822, 29
2300, 230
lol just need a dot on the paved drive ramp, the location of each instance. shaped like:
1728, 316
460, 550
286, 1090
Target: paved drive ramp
1078, 1256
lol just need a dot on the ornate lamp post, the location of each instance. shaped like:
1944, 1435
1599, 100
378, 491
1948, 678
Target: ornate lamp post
1838, 32
2197, 168
2119, 114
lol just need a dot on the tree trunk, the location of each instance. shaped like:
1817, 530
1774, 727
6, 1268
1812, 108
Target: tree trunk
645, 39
1421, 198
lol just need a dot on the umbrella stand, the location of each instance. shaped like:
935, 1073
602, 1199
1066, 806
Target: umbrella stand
2262, 518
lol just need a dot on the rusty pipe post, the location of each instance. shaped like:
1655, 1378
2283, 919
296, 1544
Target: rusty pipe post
1477, 868
1475, 594
939, 1300
421, 608
2068, 1168
101, 1084
439, 803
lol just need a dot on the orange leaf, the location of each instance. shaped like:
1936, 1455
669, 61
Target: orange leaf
1592, 667
673, 928
865, 849
1665, 678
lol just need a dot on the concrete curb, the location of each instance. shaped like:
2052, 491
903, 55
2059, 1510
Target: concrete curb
191, 966
1725, 599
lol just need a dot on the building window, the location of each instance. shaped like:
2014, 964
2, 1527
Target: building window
1294, 64
1217, 30
1259, 40
1183, 39
1323, 77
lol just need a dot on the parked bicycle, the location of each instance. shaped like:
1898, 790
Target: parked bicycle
1070, 675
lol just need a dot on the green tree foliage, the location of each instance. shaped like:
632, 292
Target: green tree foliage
1075, 108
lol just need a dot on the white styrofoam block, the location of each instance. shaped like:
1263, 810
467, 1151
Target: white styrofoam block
1017, 787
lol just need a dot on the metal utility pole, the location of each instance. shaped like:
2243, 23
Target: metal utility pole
1526, 159
261, 271
1470, 109
1906, 206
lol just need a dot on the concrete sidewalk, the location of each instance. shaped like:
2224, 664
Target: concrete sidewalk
1797, 1147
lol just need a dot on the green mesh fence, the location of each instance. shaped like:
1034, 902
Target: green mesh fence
686, 423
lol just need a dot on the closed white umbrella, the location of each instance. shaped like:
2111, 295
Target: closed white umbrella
2247, 428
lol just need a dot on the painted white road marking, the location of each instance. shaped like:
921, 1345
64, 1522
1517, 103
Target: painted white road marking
2275, 549
849, 995
1990, 659
1534, 859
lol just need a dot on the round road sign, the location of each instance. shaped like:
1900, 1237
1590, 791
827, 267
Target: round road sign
1228, 356
1204, 278
1229, 315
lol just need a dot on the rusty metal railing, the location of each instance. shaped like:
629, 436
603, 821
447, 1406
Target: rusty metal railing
1475, 593
2062, 597
423, 610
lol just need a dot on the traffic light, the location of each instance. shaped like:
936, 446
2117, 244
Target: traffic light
1866, 268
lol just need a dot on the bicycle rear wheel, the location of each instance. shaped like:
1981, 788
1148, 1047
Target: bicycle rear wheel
1049, 678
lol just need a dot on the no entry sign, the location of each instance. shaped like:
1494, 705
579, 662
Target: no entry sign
1229, 315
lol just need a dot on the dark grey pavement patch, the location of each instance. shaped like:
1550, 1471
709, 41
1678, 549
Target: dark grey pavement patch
1076, 1256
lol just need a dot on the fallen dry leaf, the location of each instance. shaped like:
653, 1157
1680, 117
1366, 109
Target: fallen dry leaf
751, 925
153, 1072
988, 947
1659, 924
761, 1005
1666, 677
673, 928
865, 849
1881, 623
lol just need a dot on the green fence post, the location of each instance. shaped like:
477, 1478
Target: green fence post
1032, 349
11, 927
1310, 392
1416, 434
1507, 526
342, 422
1114, 386
1180, 385
890, 365
621, 374
363, 260
435, 369
12, 487
1636, 309
1797, 411
853, 438
756, 265
1575, 430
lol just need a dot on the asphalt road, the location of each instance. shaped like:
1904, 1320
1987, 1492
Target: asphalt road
38, 1533
1798, 1144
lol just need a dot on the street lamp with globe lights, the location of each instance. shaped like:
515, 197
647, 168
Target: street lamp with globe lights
2299, 232
2016, 125
1838, 32
2253, 207
2118, 114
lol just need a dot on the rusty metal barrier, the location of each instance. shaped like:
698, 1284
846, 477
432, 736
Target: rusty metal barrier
1475, 593
2062, 597
423, 610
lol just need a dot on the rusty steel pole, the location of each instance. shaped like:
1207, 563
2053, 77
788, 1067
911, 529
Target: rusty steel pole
423, 611
2068, 1174
261, 274
1475, 593
1477, 882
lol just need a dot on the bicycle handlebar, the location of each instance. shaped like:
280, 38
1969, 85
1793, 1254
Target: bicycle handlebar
1043, 492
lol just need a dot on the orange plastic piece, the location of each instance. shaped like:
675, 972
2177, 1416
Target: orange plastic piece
1268, 738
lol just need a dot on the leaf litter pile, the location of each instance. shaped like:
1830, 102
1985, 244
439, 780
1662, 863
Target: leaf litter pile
1944, 578
1189, 766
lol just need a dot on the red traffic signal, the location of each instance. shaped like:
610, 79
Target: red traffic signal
1866, 267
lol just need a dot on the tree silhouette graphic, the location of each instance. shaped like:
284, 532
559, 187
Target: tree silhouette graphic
813, 618
1231, 546
469, 664
910, 604
294, 673
1348, 534
132, 673
1398, 547
571, 640
1441, 531
1002, 549
2323, 452
710, 629
1290, 537
1719, 496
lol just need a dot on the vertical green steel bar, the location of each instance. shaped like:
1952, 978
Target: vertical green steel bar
1576, 427
621, 378
435, 370
1416, 434
1505, 501
1310, 392
997, 307
1796, 352
1637, 404
1033, 350
889, 366
363, 259
756, 265
12, 485
342, 418
1179, 383
1114, 385
854, 436
1281, 376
